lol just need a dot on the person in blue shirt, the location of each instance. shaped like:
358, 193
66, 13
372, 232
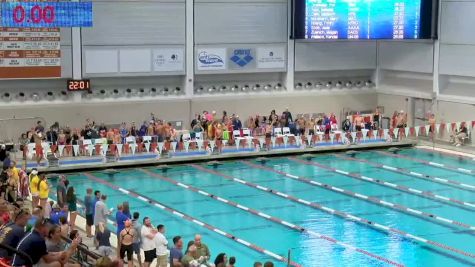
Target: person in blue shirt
143, 129
237, 125
123, 132
57, 213
120, 218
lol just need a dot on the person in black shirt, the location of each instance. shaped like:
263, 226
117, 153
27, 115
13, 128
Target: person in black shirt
461, 134
12, 233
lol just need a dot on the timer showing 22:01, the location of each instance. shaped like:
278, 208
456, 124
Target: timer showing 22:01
46, 14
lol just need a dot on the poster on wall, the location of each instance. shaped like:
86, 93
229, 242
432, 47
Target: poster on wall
30, 53
271, 57
168, 59
211, 58
242, 58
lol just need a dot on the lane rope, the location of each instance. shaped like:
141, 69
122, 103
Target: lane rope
371, 199
261, 214
338, 213
192, 219
435, 179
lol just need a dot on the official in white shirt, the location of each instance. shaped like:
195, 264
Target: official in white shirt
161, 246
148, 233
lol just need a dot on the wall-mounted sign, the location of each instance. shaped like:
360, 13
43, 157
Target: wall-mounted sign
271, 57
30, 53
242, 58
211, 59
168, 59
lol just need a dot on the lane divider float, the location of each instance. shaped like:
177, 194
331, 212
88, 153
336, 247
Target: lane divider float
413, 191
371, 199
290, 225
191, 219
435, 179
429, 163
341, 214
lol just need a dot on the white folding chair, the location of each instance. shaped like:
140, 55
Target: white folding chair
198, 136
278, 132
286, 131
186, 137
130, 139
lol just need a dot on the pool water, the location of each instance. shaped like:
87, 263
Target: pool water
305, 249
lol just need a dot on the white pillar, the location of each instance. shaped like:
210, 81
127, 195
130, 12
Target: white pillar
189, 44
289, 81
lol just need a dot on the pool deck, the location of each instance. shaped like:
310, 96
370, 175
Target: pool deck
73, 164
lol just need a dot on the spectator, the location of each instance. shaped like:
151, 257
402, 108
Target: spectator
34, 245
148, 245
287, 116
143, 129
48, 209
64, 226
100, 211
232, 261
190, 257
56, 214
39, 127
12, 233
35, 193
202, 249
72, 207
89, 210
460, 134
138, 237
237, 125
126, 243
103, 240
120, 219
221, 260
24, 183
35, 216
268, 264
61, 191
43, 189
54, 242
176, 253
126, 209
161, 246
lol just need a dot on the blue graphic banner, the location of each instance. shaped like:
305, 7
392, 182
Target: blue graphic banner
46, 14
362, 19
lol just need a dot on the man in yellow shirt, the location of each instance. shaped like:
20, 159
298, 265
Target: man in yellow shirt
34, 181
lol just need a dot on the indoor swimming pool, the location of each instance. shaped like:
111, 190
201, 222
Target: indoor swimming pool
374, 208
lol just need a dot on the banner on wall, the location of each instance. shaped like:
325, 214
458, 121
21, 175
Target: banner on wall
168, 59
30, 53
271, 57
211, 59
241, 58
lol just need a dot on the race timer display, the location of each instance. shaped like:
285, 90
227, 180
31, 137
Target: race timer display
46, 14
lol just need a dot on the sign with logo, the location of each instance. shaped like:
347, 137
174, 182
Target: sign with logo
271, 57
242, 58
168, 59
211, 59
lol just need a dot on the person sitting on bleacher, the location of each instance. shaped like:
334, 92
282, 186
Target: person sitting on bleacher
459, 135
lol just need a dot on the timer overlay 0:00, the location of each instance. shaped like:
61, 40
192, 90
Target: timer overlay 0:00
46, 14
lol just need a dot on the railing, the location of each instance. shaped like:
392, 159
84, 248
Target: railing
82, 254
17, 252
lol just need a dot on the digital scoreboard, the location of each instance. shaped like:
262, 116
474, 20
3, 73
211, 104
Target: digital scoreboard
46, 14
363, 19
